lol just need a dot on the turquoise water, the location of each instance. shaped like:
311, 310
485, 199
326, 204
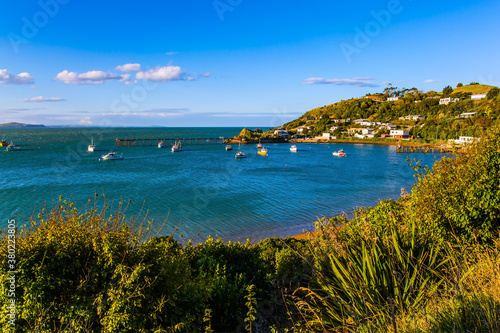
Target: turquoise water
202, 189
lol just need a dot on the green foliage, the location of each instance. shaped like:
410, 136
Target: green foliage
461, 197
366, 281
493, 93
459, 85
89, 271
288, 260
448, 90
247, 134
224, 271
251, 304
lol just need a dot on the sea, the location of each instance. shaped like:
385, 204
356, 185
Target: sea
203, 190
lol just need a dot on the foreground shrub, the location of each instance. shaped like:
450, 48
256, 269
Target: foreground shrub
91, 272
460, 198
367, 282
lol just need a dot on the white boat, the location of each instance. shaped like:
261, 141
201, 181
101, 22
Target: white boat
259, 145
293, 148
11, 147
177, 146
239, 155
161, 144
339, 153
228, 147
91, 147
262, 151
111, 156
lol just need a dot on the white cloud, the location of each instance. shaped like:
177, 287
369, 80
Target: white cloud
85, 121
432, 80
22, 78
92, 77
356, 81
171, 53
129, 68
43, 99
4, 75
162, 73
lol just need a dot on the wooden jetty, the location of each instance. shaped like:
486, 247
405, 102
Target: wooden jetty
423, 148
170, 141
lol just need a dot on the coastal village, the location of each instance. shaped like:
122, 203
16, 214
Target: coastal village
465, 107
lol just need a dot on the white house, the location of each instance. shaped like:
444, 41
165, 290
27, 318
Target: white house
282, 133
467, 114
359, 121
448, 100
333, 128
367, 131
388, 126
393, 99
477, 97
303, 128
414, 117
363, 136
463, 140
400, 134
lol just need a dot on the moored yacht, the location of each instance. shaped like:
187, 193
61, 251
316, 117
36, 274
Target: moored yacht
112, 156
228, 147
239, 155
177, 146
262, 151
91, 147
11, 147
339, 153
293, 148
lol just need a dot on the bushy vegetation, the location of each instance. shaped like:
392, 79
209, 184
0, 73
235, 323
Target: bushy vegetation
427, 262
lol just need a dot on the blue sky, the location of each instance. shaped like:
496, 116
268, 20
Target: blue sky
230, 62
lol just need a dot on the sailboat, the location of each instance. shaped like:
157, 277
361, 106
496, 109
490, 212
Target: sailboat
239, 154
91, 147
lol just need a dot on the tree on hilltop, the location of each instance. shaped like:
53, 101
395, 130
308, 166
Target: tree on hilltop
448, 90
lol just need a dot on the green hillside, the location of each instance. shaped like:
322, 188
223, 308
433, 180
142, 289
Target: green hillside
473, 89
442, 121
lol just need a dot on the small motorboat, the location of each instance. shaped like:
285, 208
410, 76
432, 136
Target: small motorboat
293, 148
161, 144
3, 143
91, 147
11, 147
111, 156
240, 155
177, 146
339, 153
262, 151
259, 145
228, 147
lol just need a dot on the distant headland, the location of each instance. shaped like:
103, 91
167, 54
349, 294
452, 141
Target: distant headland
17, 125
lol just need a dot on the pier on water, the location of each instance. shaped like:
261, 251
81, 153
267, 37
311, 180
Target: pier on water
169, 141
419, 148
